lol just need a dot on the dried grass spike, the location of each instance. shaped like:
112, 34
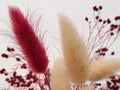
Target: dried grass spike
103, 68
59, 78
89, 87
29, 43
75, 53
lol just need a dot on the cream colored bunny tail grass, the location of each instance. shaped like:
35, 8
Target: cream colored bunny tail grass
75, 53
89, 87
103, 68
59, 78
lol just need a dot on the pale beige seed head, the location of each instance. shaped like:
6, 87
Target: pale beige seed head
74, 50
103, 68
89, 87
59, 77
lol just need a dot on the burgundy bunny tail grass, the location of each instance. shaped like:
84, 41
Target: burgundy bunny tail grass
32, 48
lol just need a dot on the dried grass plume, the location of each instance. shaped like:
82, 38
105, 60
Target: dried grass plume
102, 68
29, 43
59, 78
74, 50
89, 87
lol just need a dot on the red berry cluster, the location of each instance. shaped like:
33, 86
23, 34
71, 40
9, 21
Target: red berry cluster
95, 8
102, 34
101, 51
3, 71
41, 81
113, 83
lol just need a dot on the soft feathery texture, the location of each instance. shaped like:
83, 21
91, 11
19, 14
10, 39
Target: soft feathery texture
59, 78
102, 68
29, 43
74, 50
89, 87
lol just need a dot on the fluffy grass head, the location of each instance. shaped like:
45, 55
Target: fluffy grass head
89, 87
103, 68
74, 50
29, 43
59, 77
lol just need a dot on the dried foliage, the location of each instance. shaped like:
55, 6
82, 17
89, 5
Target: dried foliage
83, 63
